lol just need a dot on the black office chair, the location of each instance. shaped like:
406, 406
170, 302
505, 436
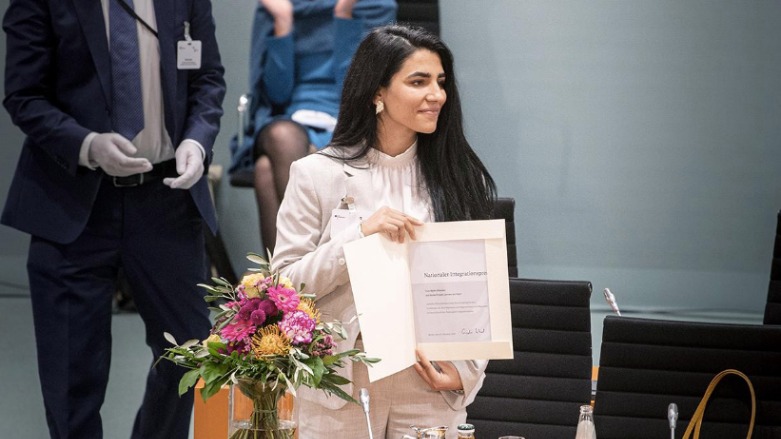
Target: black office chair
773, 306
647, 364
423, 13
505, 208
539, 392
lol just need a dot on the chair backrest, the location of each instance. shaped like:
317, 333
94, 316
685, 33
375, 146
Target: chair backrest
538, 393
505, 208
647, 364
773, 306
423, 13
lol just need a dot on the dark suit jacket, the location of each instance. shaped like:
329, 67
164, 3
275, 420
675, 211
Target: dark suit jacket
58, 89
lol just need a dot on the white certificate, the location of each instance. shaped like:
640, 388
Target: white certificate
446, 293
449, 294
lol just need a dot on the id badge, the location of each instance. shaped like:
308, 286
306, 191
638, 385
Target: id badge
342, 219
188, 55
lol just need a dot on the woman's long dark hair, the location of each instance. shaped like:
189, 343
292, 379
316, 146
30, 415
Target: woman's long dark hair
459, 184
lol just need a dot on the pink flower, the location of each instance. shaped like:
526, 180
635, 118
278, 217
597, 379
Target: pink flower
239, 335
268, 307
240, 292
286, 299
298, 327
324, 346
254, 311
258, 317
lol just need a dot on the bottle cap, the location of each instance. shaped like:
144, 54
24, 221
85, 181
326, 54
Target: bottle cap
586, 409
465, 427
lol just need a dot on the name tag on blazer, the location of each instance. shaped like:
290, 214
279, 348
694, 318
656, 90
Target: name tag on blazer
342, 219
188, 55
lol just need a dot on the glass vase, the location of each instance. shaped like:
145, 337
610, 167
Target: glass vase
260, 411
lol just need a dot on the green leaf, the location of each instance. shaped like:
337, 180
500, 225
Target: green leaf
170, 338
201, 354
318, 370
339, 392
329, 360
215, 347
188, 380
209, 288
289, 385
211, 389
190, 343
213, 371
367, 360
223, 312
257, 259
222, 281
337, 379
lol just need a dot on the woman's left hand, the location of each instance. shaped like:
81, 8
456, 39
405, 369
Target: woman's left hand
443, 376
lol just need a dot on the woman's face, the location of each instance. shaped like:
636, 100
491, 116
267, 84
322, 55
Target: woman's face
414, 96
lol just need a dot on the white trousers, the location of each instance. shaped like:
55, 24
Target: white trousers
396, 403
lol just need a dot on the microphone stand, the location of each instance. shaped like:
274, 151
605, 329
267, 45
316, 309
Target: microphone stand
672, 418
364, 395
611, 300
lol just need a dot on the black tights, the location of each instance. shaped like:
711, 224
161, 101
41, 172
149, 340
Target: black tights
279, 144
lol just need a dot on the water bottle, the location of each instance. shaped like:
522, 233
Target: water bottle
586, 428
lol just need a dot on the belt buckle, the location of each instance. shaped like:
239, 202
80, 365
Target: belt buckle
117, 181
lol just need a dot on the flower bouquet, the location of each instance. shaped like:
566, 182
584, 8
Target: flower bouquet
267, 338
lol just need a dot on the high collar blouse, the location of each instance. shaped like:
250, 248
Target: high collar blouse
398, 183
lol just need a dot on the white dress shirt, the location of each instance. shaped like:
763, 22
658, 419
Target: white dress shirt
152, 142
397, 183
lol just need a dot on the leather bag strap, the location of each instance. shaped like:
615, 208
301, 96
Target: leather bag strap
696, 421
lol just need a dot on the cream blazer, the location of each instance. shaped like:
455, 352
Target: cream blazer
307, 252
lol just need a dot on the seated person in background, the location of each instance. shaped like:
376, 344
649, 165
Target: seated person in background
300, 52
400, 152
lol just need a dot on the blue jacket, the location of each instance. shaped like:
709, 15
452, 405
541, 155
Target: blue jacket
317, 53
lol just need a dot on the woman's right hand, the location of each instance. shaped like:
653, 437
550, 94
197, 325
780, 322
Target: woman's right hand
394, 224
344, 9
282, 11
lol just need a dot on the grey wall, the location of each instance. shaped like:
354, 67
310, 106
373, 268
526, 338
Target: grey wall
13, 245
640, 140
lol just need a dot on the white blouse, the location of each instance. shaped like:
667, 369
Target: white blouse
398, 184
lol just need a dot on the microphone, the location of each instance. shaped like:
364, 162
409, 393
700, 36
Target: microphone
672, 418
364, 396
611, 300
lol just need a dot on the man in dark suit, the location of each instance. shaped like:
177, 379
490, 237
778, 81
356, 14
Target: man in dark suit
120, 104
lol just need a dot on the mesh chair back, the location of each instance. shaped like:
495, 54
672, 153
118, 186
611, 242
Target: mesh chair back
647, 364
538, 393
773, 307
505, 208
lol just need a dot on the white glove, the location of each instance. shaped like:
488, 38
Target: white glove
189, 166
112, 153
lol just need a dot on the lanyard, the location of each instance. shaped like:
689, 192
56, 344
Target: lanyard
133, 14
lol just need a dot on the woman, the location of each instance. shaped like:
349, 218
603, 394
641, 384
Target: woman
399, 154
301, 50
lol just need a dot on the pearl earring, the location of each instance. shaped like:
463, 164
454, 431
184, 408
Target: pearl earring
379, 108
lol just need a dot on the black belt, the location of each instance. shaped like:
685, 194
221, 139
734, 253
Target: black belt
159, 171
